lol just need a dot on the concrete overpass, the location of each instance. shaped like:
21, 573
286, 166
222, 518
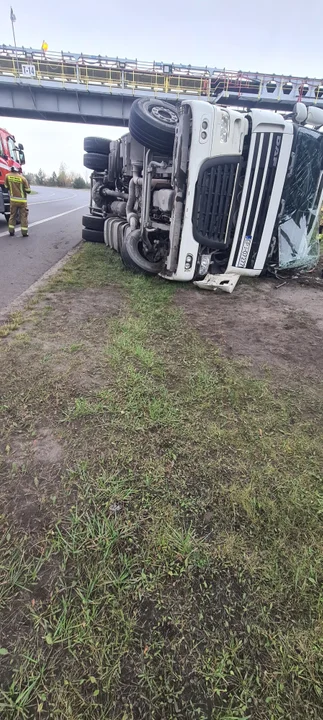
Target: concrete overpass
51, 101
100, 90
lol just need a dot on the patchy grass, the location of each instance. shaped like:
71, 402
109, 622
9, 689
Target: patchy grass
167, 562
11, 324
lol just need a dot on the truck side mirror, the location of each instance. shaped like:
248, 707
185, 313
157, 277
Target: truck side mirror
22, 157
20, 146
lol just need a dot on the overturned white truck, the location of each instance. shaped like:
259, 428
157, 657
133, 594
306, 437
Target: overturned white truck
206, 193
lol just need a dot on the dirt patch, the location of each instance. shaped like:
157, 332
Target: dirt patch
31, 478
74, 306
313, 278
27, 512
44, 449
70, 326
70, 331
78, 324
26, 499
270, 323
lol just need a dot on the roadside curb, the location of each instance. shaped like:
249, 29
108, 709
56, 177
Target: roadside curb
19, 302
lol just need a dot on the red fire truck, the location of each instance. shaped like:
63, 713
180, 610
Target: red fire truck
11, 155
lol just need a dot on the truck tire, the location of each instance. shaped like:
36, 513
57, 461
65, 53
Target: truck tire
132, 257
93, 222
95, 236
152, 123
95, 161
97, 145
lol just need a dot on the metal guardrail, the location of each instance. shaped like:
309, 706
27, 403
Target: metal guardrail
96, 70
131, 75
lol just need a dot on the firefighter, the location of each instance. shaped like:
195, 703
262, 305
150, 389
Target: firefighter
18, 188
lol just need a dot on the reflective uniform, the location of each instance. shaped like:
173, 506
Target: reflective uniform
18, 188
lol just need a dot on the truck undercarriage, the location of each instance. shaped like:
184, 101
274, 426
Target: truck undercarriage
207, 194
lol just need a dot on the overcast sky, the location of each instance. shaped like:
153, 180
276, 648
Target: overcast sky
282, 36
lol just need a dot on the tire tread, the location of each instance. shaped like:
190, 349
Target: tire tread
95, 236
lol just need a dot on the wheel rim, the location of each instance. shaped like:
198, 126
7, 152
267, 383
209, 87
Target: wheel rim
164, 115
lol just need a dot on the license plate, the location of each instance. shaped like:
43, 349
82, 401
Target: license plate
244, 252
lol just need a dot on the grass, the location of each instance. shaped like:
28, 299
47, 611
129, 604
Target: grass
168, 564
11, 324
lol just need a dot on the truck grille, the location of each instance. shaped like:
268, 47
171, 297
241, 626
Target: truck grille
214, 201
257, 193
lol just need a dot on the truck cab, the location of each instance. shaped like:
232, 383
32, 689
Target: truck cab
208, 194
11, 155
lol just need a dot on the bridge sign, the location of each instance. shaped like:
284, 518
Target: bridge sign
29, 70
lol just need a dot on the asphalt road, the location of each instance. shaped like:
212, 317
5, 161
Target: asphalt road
24, 260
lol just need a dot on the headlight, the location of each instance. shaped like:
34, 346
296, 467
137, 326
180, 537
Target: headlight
225, 127
204, 264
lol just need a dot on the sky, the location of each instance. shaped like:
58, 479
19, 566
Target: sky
283, 36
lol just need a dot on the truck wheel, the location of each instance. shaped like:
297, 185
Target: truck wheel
95, 161
97, 145
95, 236
152, 123
132, 257
93, 222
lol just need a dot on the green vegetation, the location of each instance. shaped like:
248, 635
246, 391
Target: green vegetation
64, 178
11, 324
161, 551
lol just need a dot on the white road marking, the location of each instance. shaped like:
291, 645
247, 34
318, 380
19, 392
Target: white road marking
44, 202
39, 222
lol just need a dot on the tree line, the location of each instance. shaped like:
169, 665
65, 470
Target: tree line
63, 178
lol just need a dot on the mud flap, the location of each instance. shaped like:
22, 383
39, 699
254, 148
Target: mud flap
225, 282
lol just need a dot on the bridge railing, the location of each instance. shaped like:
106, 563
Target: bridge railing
153, 77
112, 72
